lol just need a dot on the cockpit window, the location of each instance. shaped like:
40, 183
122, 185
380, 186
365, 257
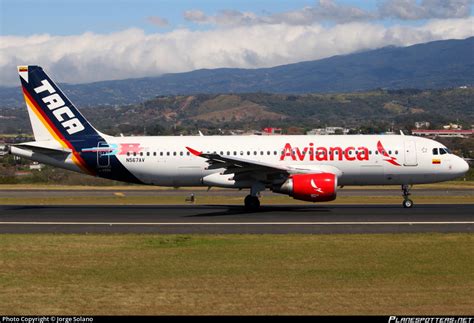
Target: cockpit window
435, 151
443, 151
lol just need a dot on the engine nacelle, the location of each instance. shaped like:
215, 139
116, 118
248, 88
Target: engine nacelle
310, 187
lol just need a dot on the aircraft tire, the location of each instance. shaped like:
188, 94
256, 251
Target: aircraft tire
252, 203
407, 203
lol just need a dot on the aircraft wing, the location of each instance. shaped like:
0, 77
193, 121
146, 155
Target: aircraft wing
235, 165
242, 167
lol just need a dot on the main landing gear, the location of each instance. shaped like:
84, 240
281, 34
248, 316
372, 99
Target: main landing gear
407, 203
252, 201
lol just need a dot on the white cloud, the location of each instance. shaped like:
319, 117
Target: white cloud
324, 10
331, 11
426, 9
132, 53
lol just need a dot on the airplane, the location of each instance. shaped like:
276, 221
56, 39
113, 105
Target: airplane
308, 168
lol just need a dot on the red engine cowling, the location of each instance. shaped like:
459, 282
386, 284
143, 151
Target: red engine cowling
310, 187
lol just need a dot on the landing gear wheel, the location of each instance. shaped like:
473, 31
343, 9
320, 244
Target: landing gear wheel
407, 203
252, 203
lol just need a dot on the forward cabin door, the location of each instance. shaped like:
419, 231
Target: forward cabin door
410, 153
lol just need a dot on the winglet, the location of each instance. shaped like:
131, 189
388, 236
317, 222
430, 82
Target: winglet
194, 152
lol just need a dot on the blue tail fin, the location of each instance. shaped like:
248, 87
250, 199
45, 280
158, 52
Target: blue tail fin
52, 114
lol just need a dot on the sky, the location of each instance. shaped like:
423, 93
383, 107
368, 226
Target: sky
80, 41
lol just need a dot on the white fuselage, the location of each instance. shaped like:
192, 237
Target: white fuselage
166, 161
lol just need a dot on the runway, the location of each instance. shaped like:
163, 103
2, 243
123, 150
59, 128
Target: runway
35, 193
222, 219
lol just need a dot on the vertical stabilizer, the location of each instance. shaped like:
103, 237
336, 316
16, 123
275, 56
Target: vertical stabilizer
52, 114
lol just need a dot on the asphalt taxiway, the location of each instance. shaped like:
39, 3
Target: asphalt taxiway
224, 219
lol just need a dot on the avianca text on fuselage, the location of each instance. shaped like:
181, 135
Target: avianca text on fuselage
313, 153
56, 104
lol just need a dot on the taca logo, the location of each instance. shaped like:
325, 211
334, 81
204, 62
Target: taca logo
62, 112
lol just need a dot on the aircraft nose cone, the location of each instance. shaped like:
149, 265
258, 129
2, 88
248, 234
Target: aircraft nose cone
462, 166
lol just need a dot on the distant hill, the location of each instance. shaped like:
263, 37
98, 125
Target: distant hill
434, 65
187, 113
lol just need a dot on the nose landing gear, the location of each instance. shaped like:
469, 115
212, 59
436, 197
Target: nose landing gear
407, 203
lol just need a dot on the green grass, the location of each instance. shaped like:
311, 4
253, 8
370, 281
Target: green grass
411, 274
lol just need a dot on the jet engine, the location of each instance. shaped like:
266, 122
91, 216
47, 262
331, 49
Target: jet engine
310, 187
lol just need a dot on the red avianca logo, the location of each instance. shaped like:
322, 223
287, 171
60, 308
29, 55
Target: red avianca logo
312, 153
383, 152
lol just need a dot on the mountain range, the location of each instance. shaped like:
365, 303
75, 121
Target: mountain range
433, 65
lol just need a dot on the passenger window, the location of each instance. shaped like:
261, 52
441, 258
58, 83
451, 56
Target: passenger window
167, 153
181, 153
148, 153
161, 153
435, 151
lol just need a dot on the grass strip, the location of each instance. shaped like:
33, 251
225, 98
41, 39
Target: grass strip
411, 274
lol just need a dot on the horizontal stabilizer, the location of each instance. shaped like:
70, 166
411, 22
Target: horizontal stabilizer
44, 149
